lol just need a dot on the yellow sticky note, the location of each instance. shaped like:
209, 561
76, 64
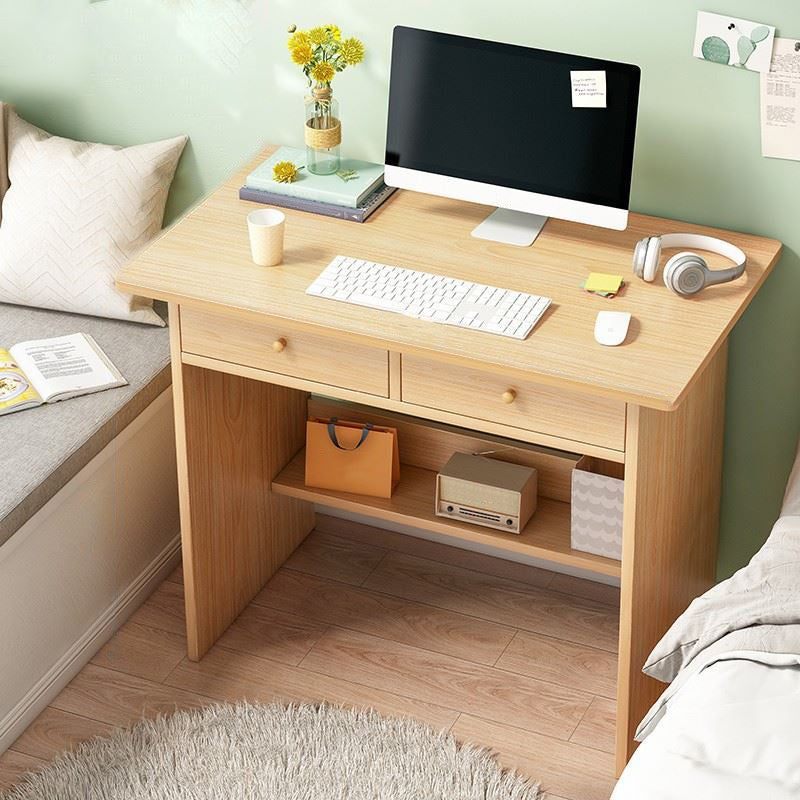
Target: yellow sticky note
600, 282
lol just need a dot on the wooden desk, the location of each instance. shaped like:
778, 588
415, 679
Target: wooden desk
249, 348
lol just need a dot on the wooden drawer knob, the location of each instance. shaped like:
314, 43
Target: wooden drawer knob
278, 345
509, 396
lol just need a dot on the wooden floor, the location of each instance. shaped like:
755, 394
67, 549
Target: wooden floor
512, 657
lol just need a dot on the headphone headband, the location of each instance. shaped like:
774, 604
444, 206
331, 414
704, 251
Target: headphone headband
710, 243
686, 273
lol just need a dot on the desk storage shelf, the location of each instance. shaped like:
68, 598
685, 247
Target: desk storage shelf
425, 446
546, 536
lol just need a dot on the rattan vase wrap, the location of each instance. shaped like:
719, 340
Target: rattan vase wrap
323, 138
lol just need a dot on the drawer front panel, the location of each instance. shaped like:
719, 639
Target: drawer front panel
272, 345
506, 400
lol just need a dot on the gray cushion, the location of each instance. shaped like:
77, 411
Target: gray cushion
51, 444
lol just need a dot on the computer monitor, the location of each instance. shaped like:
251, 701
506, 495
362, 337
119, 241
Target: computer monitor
497, 124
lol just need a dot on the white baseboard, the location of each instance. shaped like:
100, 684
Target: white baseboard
65, 669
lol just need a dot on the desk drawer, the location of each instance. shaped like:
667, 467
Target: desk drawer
509, 401
272, 345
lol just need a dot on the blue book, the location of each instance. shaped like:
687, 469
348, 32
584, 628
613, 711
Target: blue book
322, 188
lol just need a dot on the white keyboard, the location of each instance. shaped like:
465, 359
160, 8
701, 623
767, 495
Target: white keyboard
435, 298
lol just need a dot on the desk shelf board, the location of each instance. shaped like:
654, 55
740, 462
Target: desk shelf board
546, 536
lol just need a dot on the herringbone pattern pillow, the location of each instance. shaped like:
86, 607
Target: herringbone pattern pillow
74, 214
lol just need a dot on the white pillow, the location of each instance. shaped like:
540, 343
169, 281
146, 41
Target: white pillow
75, 212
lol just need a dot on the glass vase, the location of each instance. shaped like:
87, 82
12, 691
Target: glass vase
323, 132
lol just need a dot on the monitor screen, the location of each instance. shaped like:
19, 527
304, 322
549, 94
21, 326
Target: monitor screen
502, 114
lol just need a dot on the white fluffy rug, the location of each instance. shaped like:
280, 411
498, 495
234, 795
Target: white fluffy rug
275, 752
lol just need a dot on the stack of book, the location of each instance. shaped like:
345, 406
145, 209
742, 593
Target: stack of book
353, 193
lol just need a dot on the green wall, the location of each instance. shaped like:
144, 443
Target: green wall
132, 70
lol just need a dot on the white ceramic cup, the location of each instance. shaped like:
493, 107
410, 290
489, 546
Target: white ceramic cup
266, 228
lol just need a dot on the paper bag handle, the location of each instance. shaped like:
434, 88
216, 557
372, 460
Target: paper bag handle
332, 435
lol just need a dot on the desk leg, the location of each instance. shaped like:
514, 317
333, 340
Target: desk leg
673, 468
233, 436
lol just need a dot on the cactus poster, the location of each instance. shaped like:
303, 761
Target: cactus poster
734, 42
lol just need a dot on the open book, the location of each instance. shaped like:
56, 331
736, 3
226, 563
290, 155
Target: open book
49, 370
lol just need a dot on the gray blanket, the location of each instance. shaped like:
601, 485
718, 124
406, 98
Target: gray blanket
755, 614
765, 592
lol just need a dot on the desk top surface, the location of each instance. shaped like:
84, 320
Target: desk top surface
205, 259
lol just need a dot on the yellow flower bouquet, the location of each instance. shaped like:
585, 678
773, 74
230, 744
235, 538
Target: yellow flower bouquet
322, 53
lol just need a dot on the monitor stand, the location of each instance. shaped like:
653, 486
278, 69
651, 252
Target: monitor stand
510, 227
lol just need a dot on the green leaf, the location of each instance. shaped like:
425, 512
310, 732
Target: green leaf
745, 47
716, 50
759, 34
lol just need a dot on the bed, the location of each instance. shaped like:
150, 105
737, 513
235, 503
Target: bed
728, 724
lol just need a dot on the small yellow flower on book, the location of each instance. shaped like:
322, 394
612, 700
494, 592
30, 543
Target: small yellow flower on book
285, 172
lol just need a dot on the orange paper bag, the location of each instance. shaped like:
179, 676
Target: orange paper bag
352, 457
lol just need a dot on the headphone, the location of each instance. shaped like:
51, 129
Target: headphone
686, 273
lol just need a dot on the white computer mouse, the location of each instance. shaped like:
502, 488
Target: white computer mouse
611, 327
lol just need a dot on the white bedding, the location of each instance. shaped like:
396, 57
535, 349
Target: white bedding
728, 726
731, 733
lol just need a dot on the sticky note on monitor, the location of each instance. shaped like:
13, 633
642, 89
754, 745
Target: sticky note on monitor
600, 282
588, 88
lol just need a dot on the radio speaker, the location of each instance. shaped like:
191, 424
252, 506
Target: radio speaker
487, 492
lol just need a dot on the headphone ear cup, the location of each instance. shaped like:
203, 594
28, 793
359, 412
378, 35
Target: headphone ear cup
639, 253
686, 273
651, 258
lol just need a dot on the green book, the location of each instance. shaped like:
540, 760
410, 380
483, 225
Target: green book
362, 178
